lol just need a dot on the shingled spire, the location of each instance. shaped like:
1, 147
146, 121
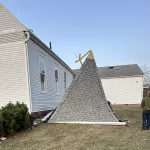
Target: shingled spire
85, 101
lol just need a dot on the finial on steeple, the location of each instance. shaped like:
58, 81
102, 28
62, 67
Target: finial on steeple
90, 56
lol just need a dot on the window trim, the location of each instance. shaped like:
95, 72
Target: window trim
42, 55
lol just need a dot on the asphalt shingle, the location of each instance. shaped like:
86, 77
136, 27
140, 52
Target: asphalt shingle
120, 71
85, 99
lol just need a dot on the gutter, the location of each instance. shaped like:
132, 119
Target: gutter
47, 49
26, 32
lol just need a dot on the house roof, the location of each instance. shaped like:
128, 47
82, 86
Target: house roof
76, 70
84, 101
118, 71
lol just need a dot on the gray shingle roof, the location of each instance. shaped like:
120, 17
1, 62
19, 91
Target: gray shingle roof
76, 70
84, 100
118, 71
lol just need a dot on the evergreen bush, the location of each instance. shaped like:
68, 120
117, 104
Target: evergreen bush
14, 118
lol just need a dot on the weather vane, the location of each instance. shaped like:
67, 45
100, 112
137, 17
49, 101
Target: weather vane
81, 57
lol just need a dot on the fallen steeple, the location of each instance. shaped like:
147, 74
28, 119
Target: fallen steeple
84, 102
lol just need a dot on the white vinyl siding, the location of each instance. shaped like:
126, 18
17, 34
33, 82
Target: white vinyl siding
13, 64
12, 37
8, 22
13, 74
127, 90
48, 100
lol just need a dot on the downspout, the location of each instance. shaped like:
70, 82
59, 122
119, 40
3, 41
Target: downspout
27, 62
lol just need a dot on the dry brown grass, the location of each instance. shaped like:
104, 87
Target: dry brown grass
81, 137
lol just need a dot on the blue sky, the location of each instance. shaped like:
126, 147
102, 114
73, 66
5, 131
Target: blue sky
117, 31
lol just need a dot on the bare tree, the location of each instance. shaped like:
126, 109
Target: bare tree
146, 71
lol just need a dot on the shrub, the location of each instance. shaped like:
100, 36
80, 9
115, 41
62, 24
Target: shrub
14, 118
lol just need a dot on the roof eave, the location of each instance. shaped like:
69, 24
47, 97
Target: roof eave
122, 77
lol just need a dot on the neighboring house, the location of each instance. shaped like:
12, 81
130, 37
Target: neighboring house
30, 72
122, 84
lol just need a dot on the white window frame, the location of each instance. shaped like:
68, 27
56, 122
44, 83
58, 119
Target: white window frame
45, 83
57, 82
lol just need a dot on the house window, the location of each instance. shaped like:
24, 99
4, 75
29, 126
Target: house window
42, 73
65, 80
57, 80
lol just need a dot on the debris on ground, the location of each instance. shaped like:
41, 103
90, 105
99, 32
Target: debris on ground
2, 138
47, 116
36, 122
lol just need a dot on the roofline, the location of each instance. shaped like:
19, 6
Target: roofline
118, 65
122, 77
141, 75
47, 49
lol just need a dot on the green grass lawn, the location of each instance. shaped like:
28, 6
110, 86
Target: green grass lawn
80, 137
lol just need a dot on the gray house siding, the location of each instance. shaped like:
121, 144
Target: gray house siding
49, 99
69, 78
